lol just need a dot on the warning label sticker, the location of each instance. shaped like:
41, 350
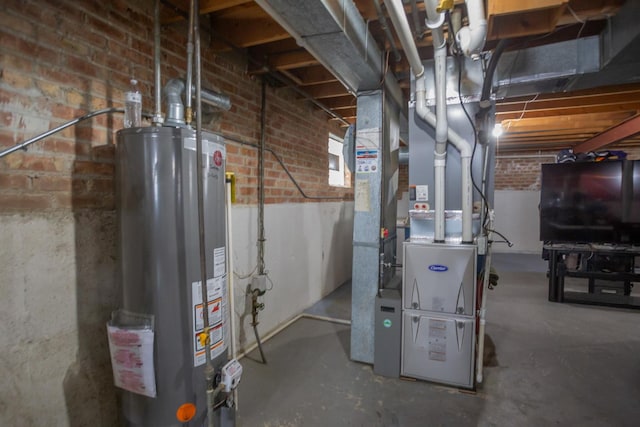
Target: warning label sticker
366, 160
367, 150
437, 340
217, 312
219, 262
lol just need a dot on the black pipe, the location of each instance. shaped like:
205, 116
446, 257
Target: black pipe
491, 68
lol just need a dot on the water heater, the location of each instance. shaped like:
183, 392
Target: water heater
160, 273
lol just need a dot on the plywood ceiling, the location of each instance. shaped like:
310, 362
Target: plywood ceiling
542, 122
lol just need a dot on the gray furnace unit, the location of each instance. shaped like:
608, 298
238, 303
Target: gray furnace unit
438, 312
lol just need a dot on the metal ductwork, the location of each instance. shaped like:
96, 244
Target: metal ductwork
335, 33
173, 92
611, 58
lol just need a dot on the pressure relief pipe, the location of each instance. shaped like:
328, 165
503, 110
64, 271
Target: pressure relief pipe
157, 115
229, 179
209, 371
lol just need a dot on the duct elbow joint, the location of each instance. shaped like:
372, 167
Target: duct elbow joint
175, 108
471, 39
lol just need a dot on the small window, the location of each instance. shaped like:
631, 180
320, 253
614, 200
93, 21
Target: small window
334, 162
337, 171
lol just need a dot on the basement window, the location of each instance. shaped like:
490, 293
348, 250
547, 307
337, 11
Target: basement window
337, 171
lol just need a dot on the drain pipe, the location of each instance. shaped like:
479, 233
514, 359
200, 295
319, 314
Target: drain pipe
157, 115
471, 38
229, 186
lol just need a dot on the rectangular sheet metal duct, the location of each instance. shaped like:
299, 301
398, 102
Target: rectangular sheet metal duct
335, 33
611, 58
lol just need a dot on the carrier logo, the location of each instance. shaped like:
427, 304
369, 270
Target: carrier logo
438, 268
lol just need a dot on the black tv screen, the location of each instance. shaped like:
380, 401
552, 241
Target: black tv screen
586, 202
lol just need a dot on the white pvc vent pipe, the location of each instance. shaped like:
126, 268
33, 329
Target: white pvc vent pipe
471, 38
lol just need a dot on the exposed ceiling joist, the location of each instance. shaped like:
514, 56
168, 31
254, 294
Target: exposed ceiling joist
552, 120
206, 6
326, 90
248, 25
617, 133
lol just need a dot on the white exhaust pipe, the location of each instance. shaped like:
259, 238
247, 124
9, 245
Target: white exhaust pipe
399, 20
434, 21
471, 38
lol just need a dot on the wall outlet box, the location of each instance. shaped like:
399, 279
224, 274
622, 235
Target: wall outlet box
259, 282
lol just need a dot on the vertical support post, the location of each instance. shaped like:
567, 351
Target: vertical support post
366, 226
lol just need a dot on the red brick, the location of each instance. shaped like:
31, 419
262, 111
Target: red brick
24, 202
52, 183
12, 181
92, 168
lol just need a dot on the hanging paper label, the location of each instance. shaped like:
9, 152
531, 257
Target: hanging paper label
132, 359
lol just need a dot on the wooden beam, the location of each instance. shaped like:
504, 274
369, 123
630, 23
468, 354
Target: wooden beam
578, 121
623, 130
314, 75
548, 137
350, 112
630, 108
285, 61
291, 60
246, 34
340, 102
326, 90
206, 6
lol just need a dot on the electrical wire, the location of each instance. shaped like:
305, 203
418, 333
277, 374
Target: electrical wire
245, 276
475, 145
505, 240
459, 59
282, 164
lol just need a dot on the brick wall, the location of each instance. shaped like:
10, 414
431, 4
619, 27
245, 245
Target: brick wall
61, 59
521, 171
403, 180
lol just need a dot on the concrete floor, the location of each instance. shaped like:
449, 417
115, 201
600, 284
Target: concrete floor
556, 364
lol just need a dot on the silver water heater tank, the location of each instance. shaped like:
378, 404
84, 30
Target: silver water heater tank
160, 265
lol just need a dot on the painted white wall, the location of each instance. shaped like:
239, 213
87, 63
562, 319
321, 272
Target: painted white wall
58, 286
517, 217
308, 254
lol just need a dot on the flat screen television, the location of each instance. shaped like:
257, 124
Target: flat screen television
591, 202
